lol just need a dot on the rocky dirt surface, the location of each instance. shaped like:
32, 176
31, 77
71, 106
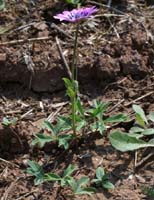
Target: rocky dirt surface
116, 63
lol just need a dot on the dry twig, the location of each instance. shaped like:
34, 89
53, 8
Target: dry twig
63, 57
139, 98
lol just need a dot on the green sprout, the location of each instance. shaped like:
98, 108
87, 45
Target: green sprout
65, 179
55, 136
7, 122
135, 138
35, 170
102, 179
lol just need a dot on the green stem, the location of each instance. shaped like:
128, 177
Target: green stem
74, 59
74, 70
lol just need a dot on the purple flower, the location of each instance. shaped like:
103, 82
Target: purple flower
76, 14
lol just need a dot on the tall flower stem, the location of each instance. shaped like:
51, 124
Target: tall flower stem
74, 70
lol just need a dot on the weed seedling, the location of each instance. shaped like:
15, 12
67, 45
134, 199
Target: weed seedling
102, 179
6, 122
65, 179
36, 170
135, 138
79, 187
61, 139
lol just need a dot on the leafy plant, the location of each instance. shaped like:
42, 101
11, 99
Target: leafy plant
135, 138
55, 135
124, 142
7, 122
149, 191
65, 179
36, 170
100, 123
2, 5
102, 179
79, 187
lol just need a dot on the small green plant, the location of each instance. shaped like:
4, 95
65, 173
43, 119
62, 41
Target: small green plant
149, 191
92, 118
135, 138
7, 122
2, 5
102, 179
36, 170
79, 187
65, 179
101, 123
55, 136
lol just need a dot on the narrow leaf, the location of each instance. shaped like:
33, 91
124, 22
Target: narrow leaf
48, 126
116, 118
140, 112
52, 177
41, 139
87, 190
69, 170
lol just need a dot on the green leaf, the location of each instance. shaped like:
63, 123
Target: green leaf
151, 141
36, 170
136, 129
38, 180
98, 110
79, 186
47, 125
98, 126
68, 82
7, 122
52, 177
140, 120
83, 181
66, 122
41, 139
87, 190
80, 107
69, 170
151, 116
80, 125
34, 167
2, 4
73, 184
66, 180
72, 87
108, 185
123, 142
116, 118
100, 173
63, 140
140, 115
149, 131
136, 135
